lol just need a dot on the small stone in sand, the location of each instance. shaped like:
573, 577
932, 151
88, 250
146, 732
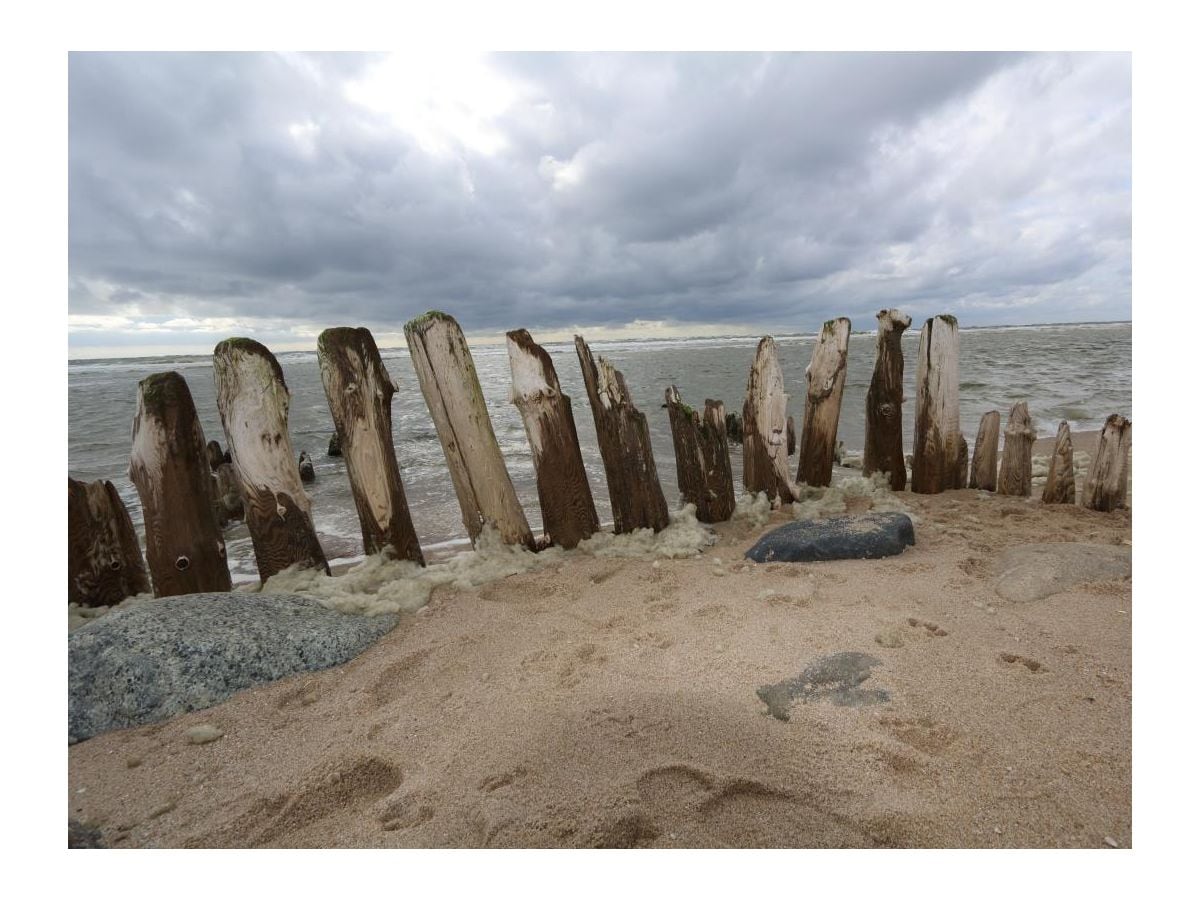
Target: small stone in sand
203, 734
1110, 841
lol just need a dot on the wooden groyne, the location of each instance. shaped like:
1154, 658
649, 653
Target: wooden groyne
189, 488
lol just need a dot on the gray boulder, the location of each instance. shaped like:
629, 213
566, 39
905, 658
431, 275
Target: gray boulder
1033, 571
865, 536
159, 659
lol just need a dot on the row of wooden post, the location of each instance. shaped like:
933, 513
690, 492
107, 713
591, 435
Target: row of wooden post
173, 469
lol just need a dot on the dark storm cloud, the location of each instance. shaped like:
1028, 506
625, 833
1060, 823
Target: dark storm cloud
736, 189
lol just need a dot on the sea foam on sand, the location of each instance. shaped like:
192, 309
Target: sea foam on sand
818, 502
381, 584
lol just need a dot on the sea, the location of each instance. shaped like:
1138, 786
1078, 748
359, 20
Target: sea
1080, 373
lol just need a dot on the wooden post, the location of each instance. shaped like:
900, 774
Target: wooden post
733, 428
229, 492
1060, 480
253, 401
935, 440
825, 378
987, 447
791, 433
104, 562
702, 466
764, 427
451, 388
1016, 466
624, 438
883, 449
960, 472
359, 391
171, 469
305, 467
568, 510
1107, 481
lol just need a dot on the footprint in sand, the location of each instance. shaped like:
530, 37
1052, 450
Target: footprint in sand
1031, 664
405, 808
920, 733
933, 628
323, 792
395, 677
502, 779
679, 803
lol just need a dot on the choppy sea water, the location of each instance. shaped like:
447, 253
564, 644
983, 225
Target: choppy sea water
1080, 373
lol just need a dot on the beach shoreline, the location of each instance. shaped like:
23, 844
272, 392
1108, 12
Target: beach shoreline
612, 702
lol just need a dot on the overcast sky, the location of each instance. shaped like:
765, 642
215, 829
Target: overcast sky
273, 195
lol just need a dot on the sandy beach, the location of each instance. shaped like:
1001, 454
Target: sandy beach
613, 703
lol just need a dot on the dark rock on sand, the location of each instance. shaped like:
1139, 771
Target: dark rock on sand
159, 659
1033, 571
833, 679
865, 536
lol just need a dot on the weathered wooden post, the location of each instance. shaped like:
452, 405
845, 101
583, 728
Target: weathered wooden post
987, 448
791, 433
935, 440
446, 373
960, 472
764, 427
1060, 480
702, 466
568, 510
624, 437
104, 561
1016, 466
171, 469
883, 449
1106, 485
825, 378
229, 492
253, 401
733, 429
359, 391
